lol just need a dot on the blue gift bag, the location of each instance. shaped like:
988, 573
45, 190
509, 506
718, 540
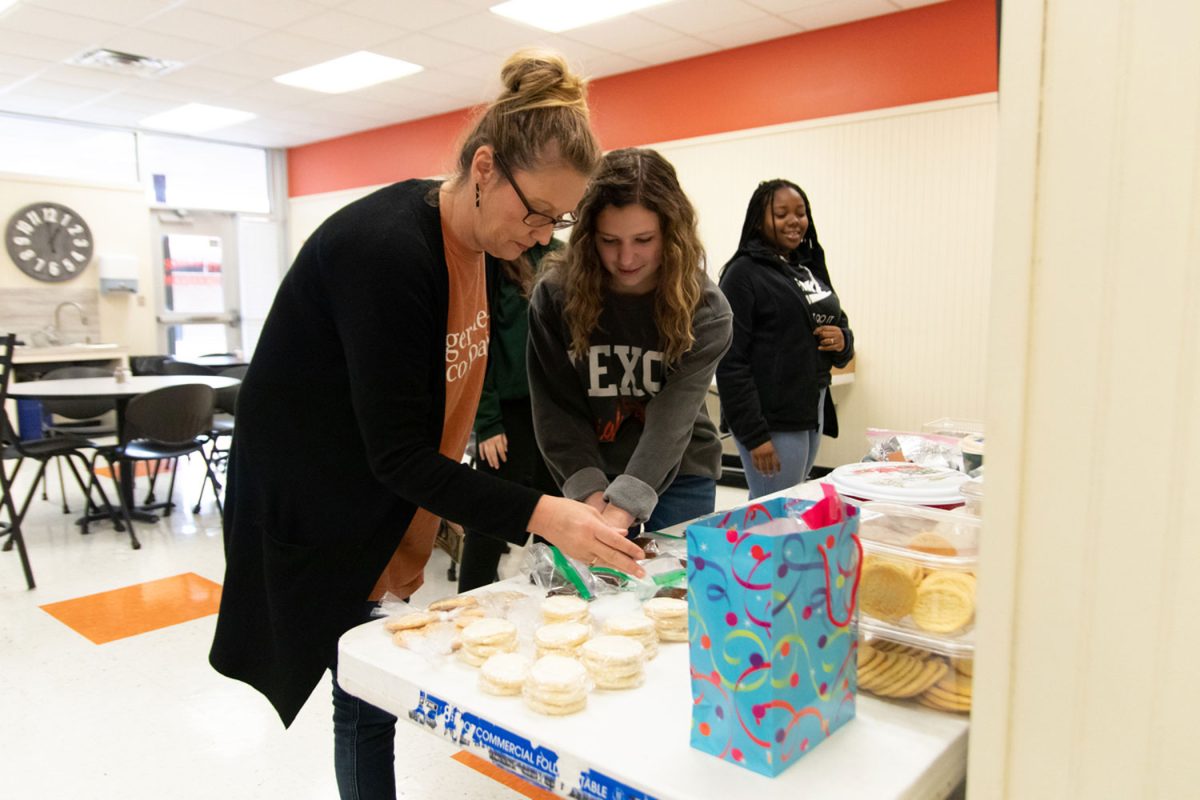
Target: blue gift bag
773, 642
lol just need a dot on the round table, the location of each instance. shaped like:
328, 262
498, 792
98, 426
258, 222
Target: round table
120, 392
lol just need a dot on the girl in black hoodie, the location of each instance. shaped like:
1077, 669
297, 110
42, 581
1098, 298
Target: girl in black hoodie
788, 330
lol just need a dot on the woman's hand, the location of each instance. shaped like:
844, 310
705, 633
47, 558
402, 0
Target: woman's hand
615, 515
596, 500
766, 460
830, 338
578, 530
494, 450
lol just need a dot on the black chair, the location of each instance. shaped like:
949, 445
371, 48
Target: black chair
223, 423
82, 417
12, 448
147, 365
162, 425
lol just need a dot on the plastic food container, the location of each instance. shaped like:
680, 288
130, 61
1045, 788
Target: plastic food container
972, 451
918, 572
952, 426
897, 665
972, 492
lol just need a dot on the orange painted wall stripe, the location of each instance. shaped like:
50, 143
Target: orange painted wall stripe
929, 53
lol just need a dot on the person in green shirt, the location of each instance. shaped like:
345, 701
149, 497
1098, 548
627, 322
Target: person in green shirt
506, 444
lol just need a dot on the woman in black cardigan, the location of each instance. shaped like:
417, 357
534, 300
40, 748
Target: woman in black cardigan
342, 412
788, 330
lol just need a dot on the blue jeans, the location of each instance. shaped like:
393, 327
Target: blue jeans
797, 451
688, 497
364, 744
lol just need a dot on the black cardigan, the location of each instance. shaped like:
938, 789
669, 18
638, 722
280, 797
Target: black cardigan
339, 420
771, 378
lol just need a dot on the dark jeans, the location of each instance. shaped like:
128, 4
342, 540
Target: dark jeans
364, 744
688, 497
524, 465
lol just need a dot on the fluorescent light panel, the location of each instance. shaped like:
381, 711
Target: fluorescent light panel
345, 74
563, 15
196, 118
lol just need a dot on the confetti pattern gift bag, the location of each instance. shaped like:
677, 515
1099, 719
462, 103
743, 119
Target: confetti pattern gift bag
773, 643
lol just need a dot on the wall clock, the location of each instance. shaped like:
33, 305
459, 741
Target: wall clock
48, 241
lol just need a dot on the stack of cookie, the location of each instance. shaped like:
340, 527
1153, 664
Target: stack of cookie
635, 626
560, 638
670, 617
937, 600
485, 638
890, 669
565, 608
504, 673
556, 685
614, 662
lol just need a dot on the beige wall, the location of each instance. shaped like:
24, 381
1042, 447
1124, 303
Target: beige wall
119, 220
903, 201
1088, 637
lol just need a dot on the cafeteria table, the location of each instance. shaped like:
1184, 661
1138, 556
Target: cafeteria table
633, 744
120, 392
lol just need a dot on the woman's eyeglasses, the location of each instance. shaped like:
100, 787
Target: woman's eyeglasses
534, 219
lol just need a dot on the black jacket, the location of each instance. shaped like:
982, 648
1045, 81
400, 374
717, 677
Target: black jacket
771, 378
339, 420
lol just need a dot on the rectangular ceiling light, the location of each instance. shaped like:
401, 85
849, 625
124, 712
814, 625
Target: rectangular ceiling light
563, 15
196, 118
348, 73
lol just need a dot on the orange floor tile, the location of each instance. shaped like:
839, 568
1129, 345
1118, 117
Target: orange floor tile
518, 785
120, 613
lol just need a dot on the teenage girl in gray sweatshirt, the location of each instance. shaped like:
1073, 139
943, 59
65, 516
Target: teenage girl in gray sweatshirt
626, 331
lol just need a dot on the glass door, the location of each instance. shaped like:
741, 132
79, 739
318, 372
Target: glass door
197, 277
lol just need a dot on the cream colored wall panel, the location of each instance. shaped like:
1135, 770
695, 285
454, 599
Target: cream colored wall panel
902, 200
1087, 570
307, 212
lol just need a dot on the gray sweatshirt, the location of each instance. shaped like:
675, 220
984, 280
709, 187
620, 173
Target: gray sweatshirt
620, 411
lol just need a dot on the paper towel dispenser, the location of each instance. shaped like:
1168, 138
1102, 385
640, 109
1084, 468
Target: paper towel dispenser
118, 273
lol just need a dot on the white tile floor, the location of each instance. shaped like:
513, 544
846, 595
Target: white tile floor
146, 716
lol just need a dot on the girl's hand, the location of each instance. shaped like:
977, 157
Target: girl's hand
830, 338
494, 450
766, 461
579, 531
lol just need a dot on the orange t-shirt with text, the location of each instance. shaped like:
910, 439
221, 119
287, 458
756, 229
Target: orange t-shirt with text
467, 333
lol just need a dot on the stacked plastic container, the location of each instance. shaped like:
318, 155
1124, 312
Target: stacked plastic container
917, 605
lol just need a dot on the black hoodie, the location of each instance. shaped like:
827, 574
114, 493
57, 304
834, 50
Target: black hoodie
772, 376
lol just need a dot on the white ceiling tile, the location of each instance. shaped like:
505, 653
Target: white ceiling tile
105, 114
204, 78
486, 31
838, 12
94, 77
20, 65
18, 101
56, 25
348, 30
120, 12
347, 105
784, 6
413, 15
428, 51
156, 45
298, 50
623, 34
139, 103
694, 16
423, 84
674, 50
266, 13
270, 94
39, 48
250, 65
758, 30
486, 67
602, 64
915, 3
65, 93
202, 27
